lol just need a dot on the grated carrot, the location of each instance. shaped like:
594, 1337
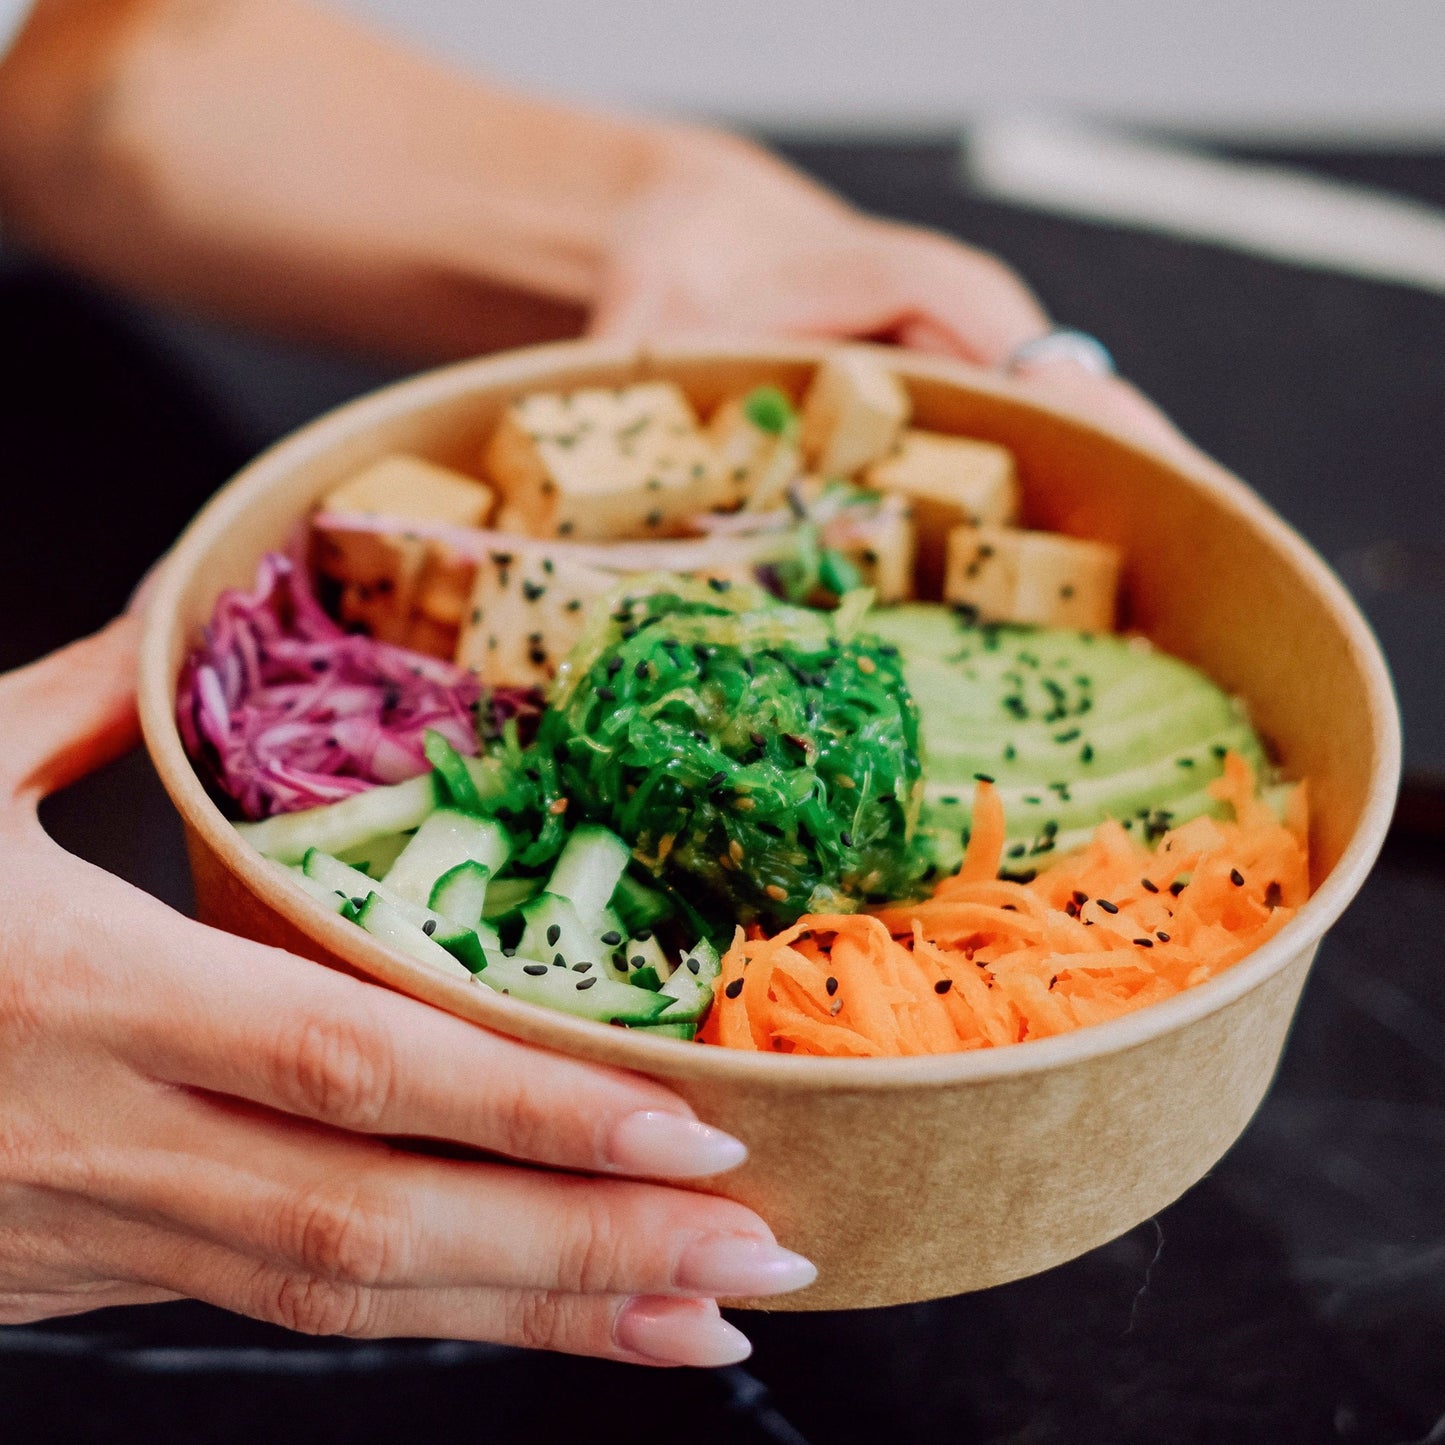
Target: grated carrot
986, 962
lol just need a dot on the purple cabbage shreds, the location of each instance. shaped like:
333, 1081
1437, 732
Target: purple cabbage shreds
281, 709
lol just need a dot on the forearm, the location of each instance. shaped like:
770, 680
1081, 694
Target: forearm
281, 164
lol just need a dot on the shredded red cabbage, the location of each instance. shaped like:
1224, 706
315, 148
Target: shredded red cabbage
281, 709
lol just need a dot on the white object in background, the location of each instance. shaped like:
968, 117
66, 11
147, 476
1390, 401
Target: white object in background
13, 15
1271, 210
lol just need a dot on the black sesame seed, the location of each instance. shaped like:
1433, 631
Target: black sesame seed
614, 666
1080, 898
642, 935
982, 778
585, 983
581, 968
612, 938
1086, 753
533, 590
638, 961
1107, 906
358, 903
1177, 887
553, 934
607, 694
535, 969
845, 838
558, 961
640, 670
1147, 886
1163, 937
831, 985
734, 988
1183, 762
1144, 942
429, 927
757, 740
1236, 877
719, 584
1070, 736
943, 985
717, 780
693, 966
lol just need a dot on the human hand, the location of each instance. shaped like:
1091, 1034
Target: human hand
188, 1114
726, 239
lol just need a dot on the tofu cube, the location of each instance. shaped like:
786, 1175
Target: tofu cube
379, 575
445, 586
598, 464
1036, 577
526, 610
949, 481
881, 543
758, 464
852, 414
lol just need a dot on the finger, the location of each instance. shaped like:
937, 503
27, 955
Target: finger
70, 712
328, 1205
256, 1023
637, 1330
1110, 400
950, 293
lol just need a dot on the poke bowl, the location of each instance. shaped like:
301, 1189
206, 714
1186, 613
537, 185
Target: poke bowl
935, 1171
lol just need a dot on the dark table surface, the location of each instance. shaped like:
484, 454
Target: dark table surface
1297, 1294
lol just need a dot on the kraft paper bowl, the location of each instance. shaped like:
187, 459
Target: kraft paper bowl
914, 1178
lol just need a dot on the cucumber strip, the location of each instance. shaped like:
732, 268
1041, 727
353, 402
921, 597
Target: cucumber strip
644, 951
646, 977
587, 870
638, 905
461, 893
553, 931
506, 895
447, 838
383, 921
327, 897
466, 943
692, 985
377, 856
681, 1029
348, 824
585, 994
451, 771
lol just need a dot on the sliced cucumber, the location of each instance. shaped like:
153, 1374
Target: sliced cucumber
382, 921
554, 932
328, 897
377, 856
691, 986
466, 943
638, 905
586, 994
682, 1029
447, 838
460, 894
506, 895
587, 870
642, 950
338, 827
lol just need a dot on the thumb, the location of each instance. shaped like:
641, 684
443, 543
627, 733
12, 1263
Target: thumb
69, 713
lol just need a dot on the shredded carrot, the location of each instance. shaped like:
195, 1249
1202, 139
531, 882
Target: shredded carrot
986, 962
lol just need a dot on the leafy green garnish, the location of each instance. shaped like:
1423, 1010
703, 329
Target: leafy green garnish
769, 410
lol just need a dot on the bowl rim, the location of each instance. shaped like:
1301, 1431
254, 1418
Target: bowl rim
676, 1058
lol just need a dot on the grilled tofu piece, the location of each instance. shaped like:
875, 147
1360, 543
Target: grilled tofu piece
598, 464
759, 464
852, 414
382, 576
526, 611
949, 482
1043, 578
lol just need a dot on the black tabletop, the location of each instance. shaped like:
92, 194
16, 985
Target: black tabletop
1295, 1295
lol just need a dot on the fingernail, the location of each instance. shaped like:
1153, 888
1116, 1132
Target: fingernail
679, 1332
740, 1264
652, 1141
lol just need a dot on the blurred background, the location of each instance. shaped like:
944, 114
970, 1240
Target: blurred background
1246, 201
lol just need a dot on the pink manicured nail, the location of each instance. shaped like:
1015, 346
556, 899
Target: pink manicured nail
655, 1142
679, 1332
738, 1264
